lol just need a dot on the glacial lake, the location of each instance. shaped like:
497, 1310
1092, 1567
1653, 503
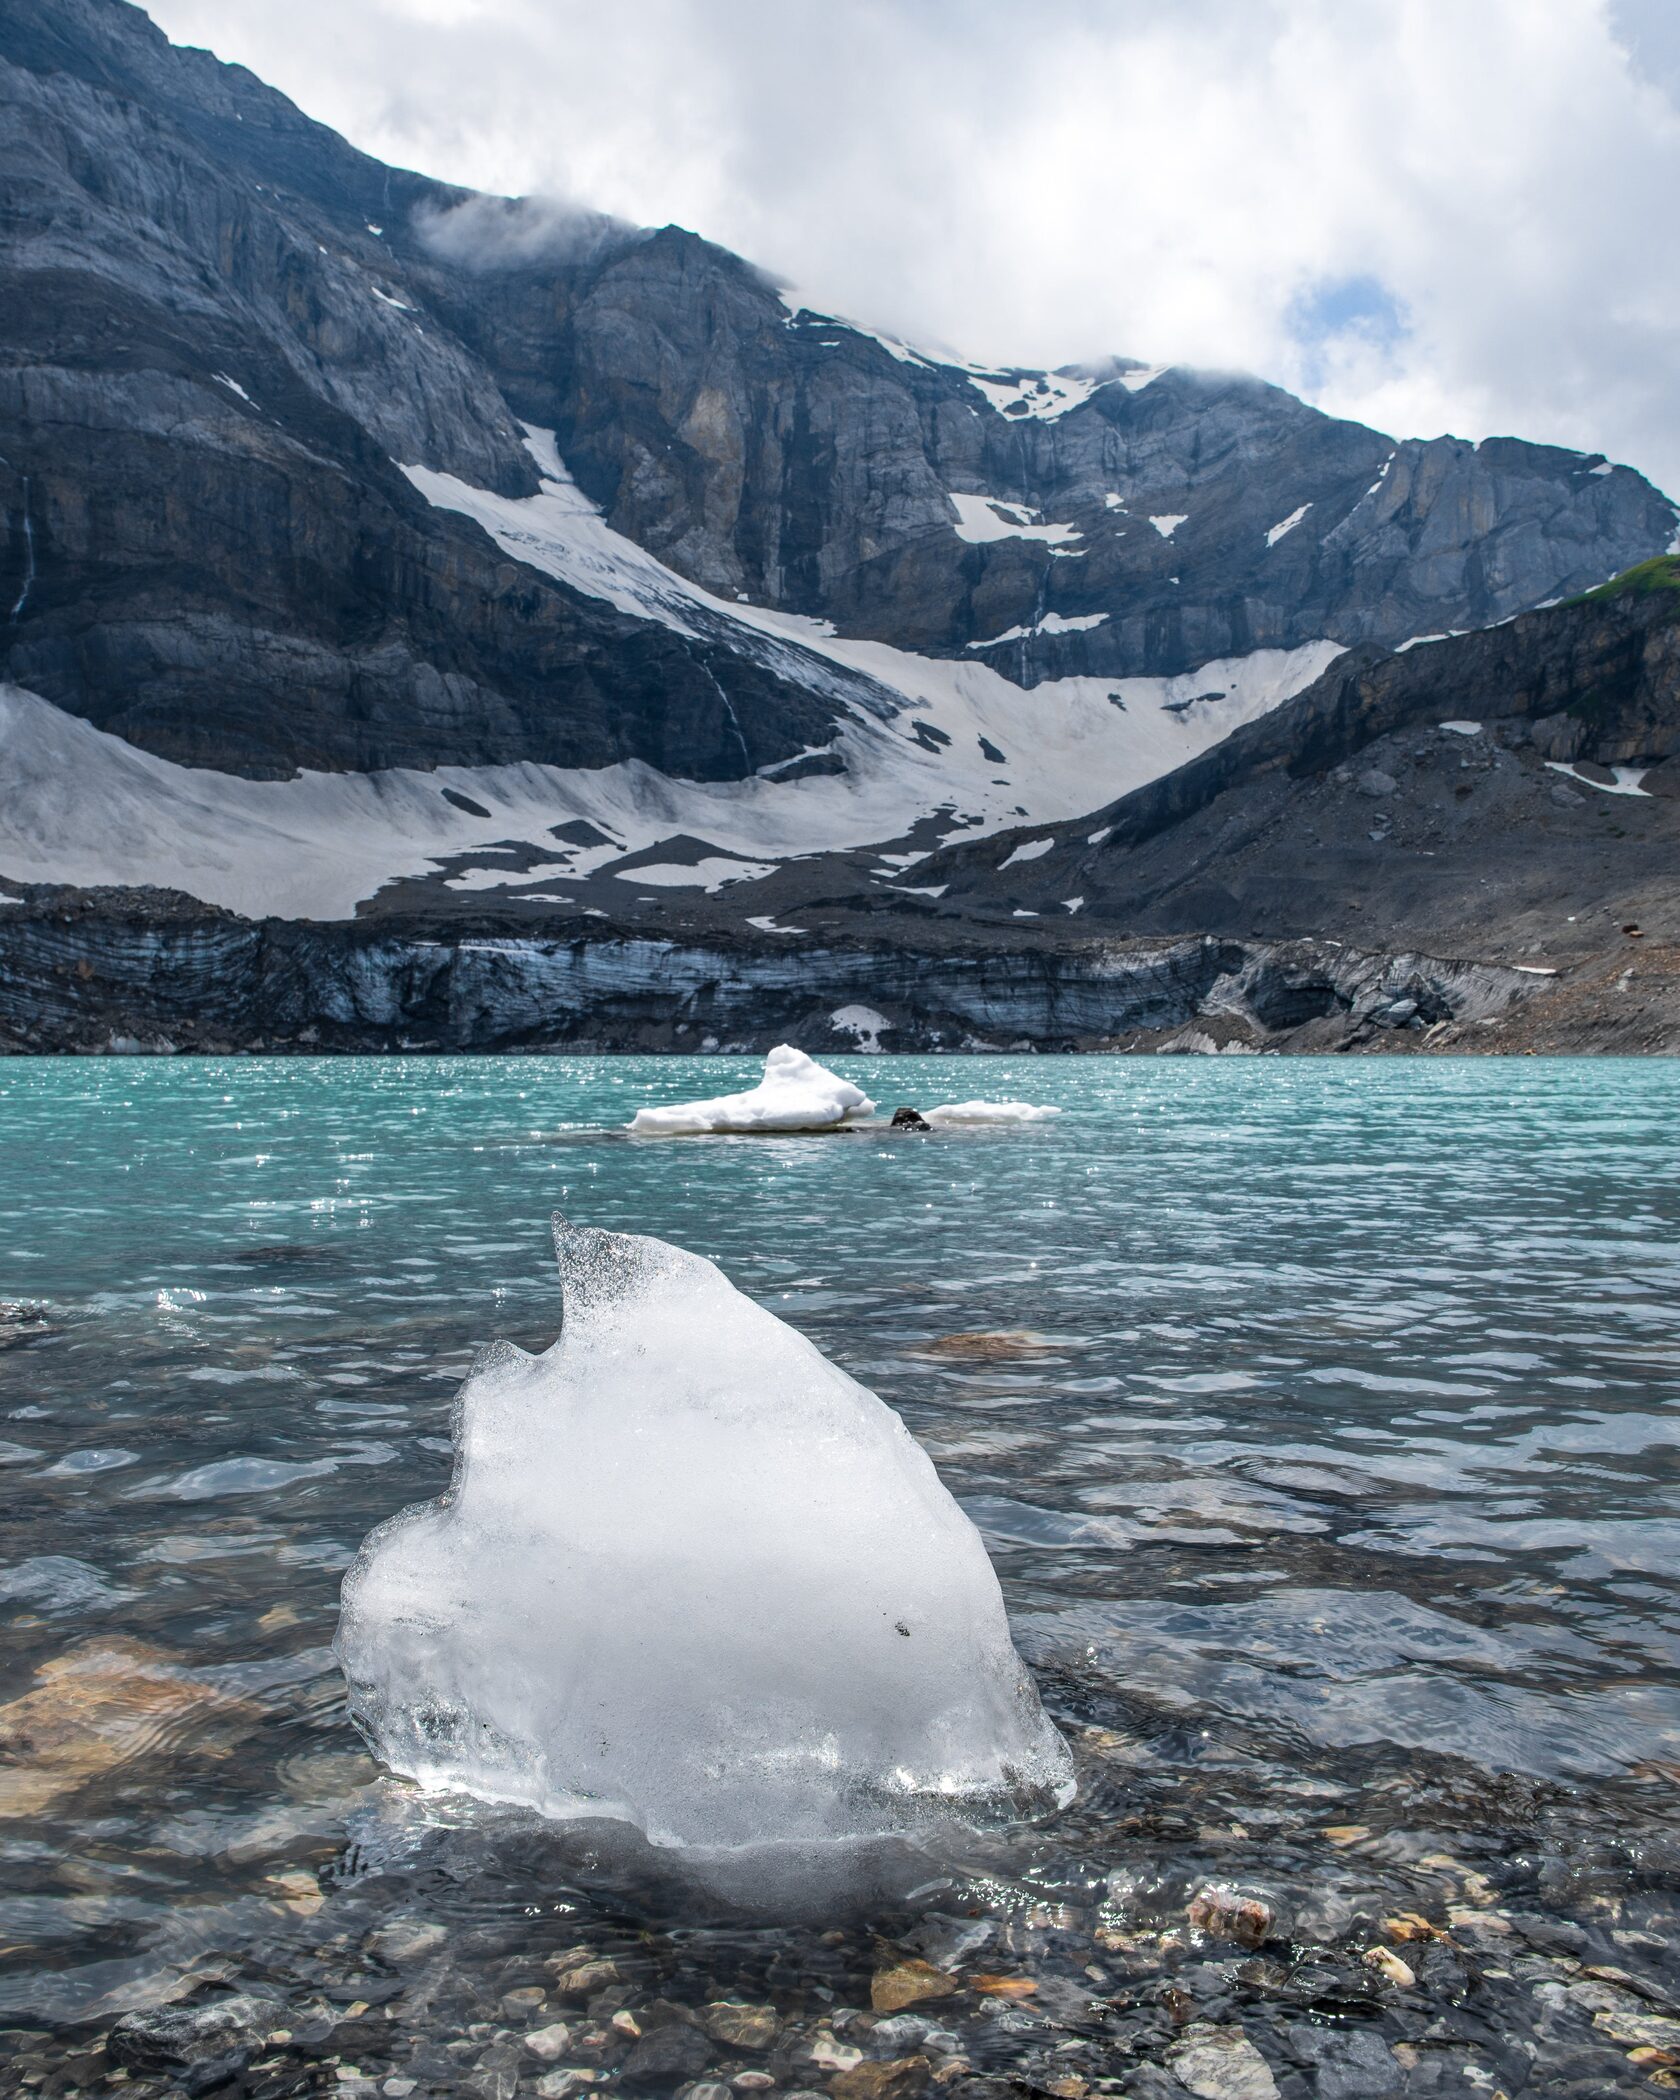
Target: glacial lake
1328, 1460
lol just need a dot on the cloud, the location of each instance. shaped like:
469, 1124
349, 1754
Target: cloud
1426, 215
515, 233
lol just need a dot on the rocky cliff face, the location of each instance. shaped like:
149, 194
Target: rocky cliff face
222, 329
208, 364
1517, 789
141, 972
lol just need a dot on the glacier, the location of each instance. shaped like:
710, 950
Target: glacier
693, 1578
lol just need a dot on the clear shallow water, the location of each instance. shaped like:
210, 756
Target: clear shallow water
1335, 1495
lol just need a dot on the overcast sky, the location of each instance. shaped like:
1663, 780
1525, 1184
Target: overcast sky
1429, 214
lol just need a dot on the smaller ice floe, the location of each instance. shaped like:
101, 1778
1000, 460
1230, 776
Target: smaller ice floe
861, 1022
796, 1093
1168, 523
950, 1113
982, 518
1287, 525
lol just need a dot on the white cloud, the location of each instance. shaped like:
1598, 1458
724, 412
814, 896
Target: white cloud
1034, 186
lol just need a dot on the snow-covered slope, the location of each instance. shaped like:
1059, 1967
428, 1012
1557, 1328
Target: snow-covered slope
921, 738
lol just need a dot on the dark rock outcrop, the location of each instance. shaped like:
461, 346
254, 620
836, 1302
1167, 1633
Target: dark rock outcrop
128, 971
1412, 796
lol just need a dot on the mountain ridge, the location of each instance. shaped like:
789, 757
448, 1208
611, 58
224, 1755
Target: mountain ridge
378, 550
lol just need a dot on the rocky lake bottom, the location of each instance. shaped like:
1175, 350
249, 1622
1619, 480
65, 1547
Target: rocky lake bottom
1320, 1418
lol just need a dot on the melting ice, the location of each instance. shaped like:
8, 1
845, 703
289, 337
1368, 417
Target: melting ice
796, 1093
691, 1576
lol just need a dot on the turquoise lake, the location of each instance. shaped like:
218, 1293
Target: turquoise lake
1321, 1417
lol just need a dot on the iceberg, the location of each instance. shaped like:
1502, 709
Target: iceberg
951, 1112
796, 1093
691, 1577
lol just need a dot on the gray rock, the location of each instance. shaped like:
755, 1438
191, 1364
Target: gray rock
667, 2056
1221, 2063
406, 1940
178, 2036
1351, 2066
1377, 784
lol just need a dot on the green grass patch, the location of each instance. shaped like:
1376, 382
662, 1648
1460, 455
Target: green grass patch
1660, 574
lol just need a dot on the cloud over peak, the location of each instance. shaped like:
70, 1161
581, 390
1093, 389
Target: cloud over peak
1424, 215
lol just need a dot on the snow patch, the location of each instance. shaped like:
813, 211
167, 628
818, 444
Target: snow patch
983, 518
1052, 623
863, 1022
233, 386
1625, 782
1463, 728
401, 305
1141, 376
714, 873
1044, 395
1168, 523
1287, 525
1034, 849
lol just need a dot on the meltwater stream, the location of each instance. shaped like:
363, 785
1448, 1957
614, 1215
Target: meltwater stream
1319, 1416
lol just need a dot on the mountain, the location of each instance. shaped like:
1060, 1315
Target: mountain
379, 553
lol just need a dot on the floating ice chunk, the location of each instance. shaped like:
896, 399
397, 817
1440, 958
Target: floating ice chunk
950, 1112
796, 1093
691, 1576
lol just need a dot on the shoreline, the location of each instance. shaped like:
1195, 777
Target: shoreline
152, 974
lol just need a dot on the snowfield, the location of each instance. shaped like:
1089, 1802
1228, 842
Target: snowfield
81, 806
